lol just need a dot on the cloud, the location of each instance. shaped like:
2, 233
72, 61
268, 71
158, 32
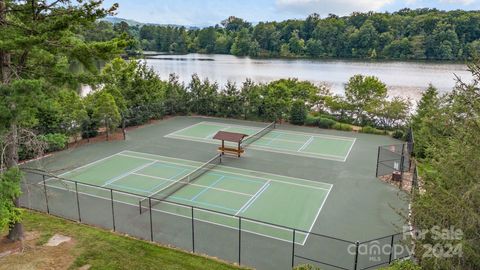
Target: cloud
462, 2
339, 7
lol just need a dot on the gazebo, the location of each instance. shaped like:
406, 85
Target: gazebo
230, 137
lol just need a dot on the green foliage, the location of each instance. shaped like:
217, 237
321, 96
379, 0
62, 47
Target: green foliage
343, 127
54, 141
104, 109
103, 249
403, 265
298, 113
312, 120
398, 134
9, 190
306, 267
364, 93
406, 34
372, 130
447, 129
326, 122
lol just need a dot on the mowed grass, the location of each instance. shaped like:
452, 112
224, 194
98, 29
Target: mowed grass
107, 250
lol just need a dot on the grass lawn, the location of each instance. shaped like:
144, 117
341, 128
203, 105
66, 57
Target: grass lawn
102, 249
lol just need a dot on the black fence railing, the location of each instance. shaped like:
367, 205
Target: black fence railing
241, 240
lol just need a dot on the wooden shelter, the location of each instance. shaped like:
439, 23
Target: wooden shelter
230, 137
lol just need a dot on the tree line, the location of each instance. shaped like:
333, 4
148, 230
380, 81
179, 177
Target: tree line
406, 34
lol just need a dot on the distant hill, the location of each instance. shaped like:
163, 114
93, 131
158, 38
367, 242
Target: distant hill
115, 20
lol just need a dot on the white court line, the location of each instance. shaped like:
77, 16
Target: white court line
252, 198
189, 217
316, 216
210, 136
113, 180
267, 149
310, 140
240, 174
296, 179
84, 166
192, 184
180, 130
255, 197
284, 131
351, 146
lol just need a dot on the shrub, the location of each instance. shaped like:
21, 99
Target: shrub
306, 267
344, 127
298, 114
332, 117
89, 129
55, 141
398, 134
326, 123
372, 130
312, 120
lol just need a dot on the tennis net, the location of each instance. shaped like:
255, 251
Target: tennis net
252, 138
179, 184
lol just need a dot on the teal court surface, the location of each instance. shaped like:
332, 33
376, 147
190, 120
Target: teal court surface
280, 141
219, 195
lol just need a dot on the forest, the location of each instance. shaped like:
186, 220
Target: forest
420, 34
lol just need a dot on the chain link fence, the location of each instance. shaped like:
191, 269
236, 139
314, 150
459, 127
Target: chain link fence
235, 239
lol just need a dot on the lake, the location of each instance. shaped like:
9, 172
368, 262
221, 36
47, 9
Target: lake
406, 79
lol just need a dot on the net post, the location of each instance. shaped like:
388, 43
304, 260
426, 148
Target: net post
45, 191
239, 240
378, 161
113, 209
151, 221
78, 202
193, 230
357, 244
293, 248
391, 250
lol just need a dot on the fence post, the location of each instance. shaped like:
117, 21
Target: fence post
391, 250
356, 255
239, 240
193, 231
378, 161
151, 222
78, 202
46, 196
113, 211
293, 248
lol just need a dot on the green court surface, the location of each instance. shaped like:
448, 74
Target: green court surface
281, 141
229, 192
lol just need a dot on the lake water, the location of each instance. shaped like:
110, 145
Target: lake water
406, 79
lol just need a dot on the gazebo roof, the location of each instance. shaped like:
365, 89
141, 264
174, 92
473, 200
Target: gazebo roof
229, 136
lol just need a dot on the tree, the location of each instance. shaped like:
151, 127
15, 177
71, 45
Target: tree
241, 44
392, 113
203, 96
451, 185
314, 47
9, 191
427, 107
73, 112
42, 40
298, 113
105, 110
296, 44
229, 101
364, 93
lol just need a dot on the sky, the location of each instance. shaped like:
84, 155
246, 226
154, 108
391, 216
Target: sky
203, 13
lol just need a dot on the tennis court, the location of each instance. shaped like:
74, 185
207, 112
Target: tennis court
228, 192
280, 141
